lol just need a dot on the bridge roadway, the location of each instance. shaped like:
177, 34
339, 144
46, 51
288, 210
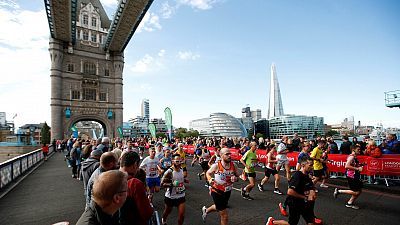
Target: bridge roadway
50, 195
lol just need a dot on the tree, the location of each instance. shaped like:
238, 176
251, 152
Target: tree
45, 132
258, 135
332, 133
161, 135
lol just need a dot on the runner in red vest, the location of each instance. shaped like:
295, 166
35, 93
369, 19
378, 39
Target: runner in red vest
221, 176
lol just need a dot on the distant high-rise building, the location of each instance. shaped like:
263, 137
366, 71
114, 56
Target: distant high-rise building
146, 109
275, 100
256, 115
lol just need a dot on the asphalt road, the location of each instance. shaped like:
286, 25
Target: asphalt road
375, 207
50, 195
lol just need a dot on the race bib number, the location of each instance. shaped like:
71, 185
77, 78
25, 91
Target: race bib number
153, 172
167, 164
180, 190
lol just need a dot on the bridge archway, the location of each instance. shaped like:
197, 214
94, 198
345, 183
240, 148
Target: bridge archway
107, 126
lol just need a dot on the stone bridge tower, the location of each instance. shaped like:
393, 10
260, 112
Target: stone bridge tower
86, 51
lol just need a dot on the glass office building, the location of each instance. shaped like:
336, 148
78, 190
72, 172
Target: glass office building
306, 126
219, 125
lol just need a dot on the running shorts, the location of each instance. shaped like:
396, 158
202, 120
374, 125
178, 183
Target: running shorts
174, 202
268, 172
153, 182
221, 199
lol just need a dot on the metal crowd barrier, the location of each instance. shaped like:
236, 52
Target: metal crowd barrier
13, 168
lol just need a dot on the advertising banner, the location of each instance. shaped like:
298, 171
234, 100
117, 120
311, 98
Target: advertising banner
388, 165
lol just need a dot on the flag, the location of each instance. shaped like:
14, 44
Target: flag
152, 129
119, 129
168, 121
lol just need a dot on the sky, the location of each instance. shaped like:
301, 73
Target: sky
334, 59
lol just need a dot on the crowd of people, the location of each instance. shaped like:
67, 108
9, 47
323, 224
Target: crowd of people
120, 180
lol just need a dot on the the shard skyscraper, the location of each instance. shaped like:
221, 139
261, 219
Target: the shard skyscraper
275, 100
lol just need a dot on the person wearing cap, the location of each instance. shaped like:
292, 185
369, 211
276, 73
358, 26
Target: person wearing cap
105, 142
89, 166
159, 151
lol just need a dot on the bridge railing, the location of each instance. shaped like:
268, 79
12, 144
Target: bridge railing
13, 168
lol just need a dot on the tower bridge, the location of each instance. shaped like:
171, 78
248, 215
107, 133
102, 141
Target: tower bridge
86, 52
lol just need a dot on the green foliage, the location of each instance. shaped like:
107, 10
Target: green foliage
162, 135
45, 132
183, 133
258, 135
332, 133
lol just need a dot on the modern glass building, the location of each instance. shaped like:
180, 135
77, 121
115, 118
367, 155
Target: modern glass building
220, 125
307, 126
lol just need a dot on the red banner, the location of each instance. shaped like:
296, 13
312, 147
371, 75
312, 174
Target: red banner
388, 165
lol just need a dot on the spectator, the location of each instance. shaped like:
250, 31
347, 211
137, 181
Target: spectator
45, 150
373, 150
89, 166
108, 161
105, 144
109, 194
137, 208
332, 146
345, 147
391, 146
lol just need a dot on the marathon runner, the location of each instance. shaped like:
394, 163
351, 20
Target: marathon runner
282, 157
151, 165
221, 176
270, 169
353, 170
301, 190
174, 180
249, 161
182, 153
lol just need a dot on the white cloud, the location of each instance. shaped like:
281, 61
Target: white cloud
109, 3
150, 22
161, 53
167, 10
148, 63
188, 55
25, 63
143, 65
9, 3
199, 4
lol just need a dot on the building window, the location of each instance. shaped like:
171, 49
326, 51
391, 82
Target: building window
89, 94
107, 72
103, 97
85, 19
85, 35
70, 67
94, 38
89, 68
75, 95
94, 21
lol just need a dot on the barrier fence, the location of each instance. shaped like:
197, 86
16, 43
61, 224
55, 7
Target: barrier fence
13, 168
385, 167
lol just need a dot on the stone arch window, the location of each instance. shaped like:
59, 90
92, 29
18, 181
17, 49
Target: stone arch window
85, 35
85, 19
94, 37
94, 21
89, 68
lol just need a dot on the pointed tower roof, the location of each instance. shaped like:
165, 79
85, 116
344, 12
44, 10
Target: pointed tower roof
275, 100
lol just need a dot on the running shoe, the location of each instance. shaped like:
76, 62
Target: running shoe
317, 220
163, 222
335, 193
204, 213
260, 187
270, 221
352, 206
277, 191
282, 210
243, 192
324, 186
248, 197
